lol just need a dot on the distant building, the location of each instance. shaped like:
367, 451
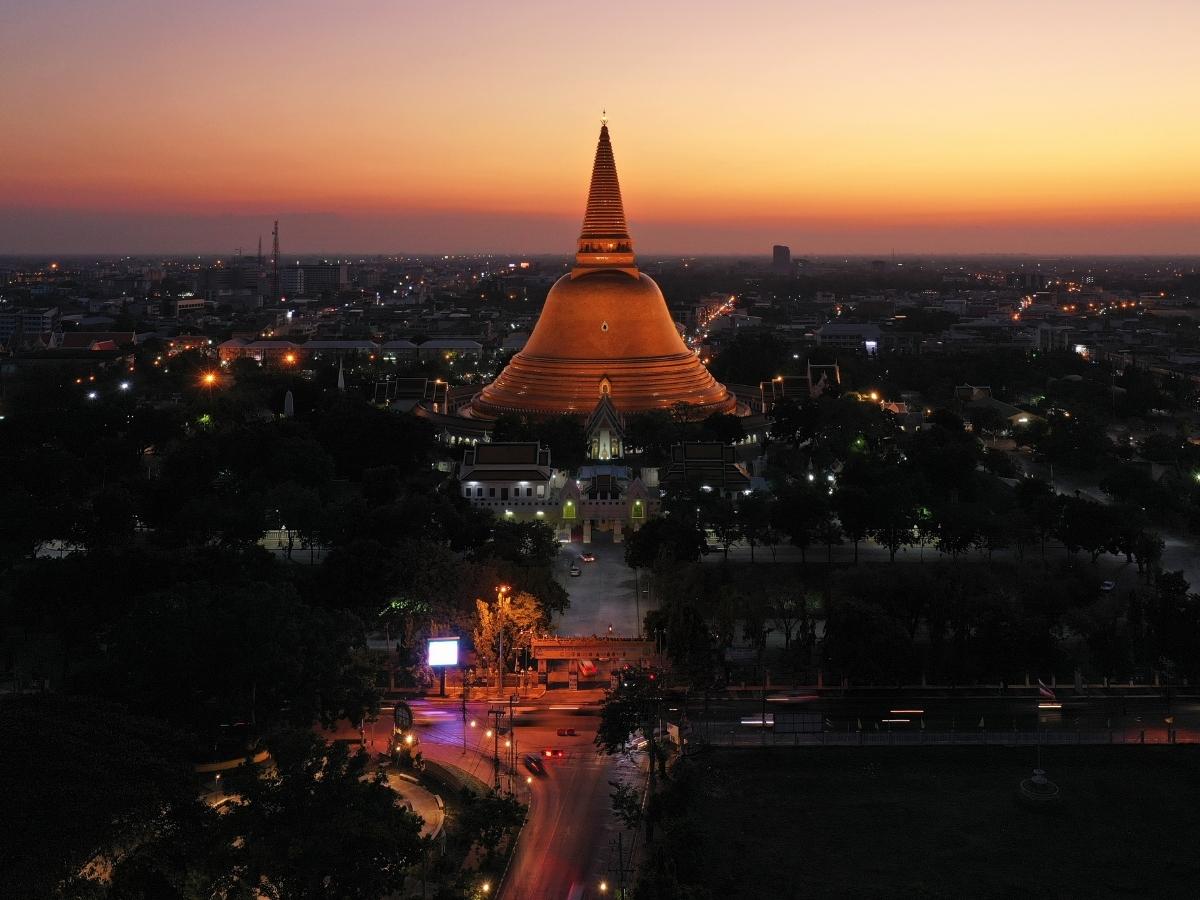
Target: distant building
97, 340
450, 348
708, 466
24, 325
854, 337
781, 259
174, 307
400, 351
314, 280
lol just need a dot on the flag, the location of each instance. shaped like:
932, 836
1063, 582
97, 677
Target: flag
1044, 691
1170, 720
859, 724
981, 721
922, 723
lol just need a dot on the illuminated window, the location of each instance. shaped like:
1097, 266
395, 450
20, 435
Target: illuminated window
639, 511
569, 509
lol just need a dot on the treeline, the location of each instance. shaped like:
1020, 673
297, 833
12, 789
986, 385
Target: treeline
997, 600
133, 580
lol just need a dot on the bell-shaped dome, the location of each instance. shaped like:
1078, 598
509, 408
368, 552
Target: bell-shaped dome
605, 329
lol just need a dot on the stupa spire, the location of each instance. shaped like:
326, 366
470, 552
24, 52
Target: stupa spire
604, 240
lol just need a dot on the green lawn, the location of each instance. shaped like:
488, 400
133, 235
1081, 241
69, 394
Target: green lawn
900, 822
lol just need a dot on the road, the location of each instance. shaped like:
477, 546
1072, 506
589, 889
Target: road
603, 592
926, 716
567, 846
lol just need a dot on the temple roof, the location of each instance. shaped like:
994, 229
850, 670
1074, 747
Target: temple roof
604, 330
604, 239
605, 215
605, 414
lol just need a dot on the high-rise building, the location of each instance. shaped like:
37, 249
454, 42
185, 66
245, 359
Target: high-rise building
314, 280
604, 330
781, 259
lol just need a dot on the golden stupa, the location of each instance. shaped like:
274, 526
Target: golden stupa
605, 329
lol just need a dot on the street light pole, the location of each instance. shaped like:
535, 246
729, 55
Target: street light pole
464, 709
512, 733
501, 599
496, 714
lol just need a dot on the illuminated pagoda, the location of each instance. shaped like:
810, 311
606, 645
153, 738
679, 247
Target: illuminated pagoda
605, 331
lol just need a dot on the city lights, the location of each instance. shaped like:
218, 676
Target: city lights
829, 629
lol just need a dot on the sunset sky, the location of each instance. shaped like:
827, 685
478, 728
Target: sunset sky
858, 126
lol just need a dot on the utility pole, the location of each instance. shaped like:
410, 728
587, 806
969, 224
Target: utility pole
621, 865
275, 263
621, 868
464, 708
497, 715
501, 600
513, 738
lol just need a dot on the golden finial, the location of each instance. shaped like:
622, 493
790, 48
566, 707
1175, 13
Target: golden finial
604, 117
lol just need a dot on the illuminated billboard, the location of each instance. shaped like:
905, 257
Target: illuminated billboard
443, 651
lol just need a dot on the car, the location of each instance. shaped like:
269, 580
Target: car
575, 571
534, 765
1107, 586
587, 557
566, 732
552, 753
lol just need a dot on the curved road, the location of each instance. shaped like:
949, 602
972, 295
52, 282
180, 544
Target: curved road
568, 845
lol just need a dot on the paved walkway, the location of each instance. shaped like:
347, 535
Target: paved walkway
424, 803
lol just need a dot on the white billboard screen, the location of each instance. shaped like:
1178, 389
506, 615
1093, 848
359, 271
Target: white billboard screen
443, 651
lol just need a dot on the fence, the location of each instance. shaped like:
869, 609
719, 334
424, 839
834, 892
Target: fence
726, 737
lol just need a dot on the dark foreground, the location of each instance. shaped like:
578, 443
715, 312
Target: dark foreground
944, 822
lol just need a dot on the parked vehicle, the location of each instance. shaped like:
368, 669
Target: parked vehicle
575, 571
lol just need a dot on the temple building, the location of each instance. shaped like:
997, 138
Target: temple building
605, 331
516, 481
605, 431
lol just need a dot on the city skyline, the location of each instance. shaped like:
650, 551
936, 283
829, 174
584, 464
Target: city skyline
935, 129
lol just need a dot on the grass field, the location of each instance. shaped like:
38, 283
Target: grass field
909, 822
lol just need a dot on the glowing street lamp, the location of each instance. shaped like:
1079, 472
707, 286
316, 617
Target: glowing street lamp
208, 379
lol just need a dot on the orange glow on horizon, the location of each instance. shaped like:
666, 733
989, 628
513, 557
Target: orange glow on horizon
774, 118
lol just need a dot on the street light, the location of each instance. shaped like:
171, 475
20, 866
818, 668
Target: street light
501, 599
